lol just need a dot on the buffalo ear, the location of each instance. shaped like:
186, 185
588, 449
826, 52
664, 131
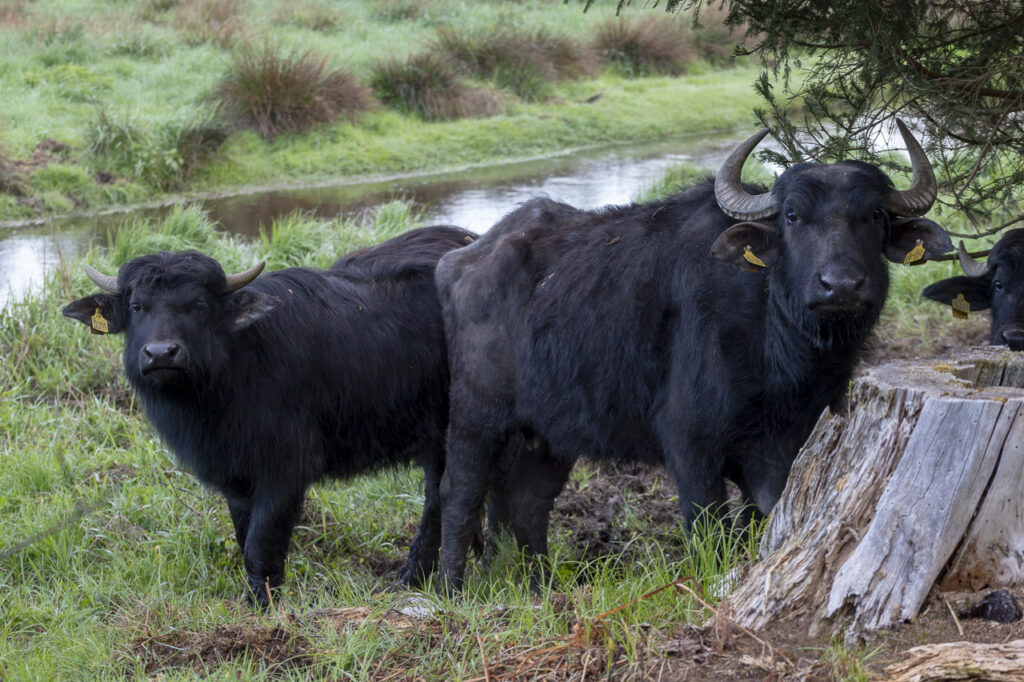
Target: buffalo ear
749, 245
974, 289
906, 233
100, 312
249, 306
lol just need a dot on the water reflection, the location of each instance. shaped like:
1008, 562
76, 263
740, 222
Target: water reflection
475, 199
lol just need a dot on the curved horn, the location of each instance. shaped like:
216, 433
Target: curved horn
105, 282
732, 198
972, 268
238, 280
919, 197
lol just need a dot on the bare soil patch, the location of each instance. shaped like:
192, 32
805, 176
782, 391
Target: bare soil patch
274, 646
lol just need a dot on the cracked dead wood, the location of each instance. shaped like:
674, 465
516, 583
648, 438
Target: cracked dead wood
1002, 662
917, 484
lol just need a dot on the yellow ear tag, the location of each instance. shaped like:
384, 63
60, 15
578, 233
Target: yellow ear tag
961, 307
915, 254
99, 323
749, 256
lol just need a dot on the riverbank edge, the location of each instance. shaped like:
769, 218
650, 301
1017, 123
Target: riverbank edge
631, 111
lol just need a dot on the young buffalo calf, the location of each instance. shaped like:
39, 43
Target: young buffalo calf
262, 386
998, 283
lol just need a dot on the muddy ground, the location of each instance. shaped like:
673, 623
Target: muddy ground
593, 515
593, 509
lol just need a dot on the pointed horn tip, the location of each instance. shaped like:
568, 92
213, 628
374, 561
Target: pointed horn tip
238, 280
729, 193
971, 267
105, 282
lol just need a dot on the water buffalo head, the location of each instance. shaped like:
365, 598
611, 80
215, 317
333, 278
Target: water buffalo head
822, 230
997, 283
176, 311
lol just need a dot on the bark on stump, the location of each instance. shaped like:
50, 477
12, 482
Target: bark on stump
919, 483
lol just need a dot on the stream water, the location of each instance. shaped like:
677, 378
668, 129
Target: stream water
474, 198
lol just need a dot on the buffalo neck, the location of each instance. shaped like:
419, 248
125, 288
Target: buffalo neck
804, 353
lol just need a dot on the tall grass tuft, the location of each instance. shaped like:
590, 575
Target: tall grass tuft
315, 16
161, 155
272, 91
427, 85
208, 21
197, 144
713, 39
521, 61
400, 10
645, 46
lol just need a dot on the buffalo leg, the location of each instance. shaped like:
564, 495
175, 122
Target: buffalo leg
424, 548
762, 478
241, 510
698, 473
468, 466
270, 529
523, 495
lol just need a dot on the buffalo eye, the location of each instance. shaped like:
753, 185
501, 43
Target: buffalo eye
879, 214
998, 284
200, 306
136, 308
791, 216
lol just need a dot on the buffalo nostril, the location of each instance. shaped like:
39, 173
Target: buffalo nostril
160, 351
841, 281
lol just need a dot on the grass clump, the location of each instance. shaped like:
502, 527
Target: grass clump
427, 85
208, 21
315, 16
523, 62
160, 155
400, 10
272, 91
645, 46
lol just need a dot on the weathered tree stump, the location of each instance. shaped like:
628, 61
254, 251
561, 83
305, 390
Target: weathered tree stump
919, 483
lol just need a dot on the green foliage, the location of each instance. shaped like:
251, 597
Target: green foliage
316, 16
426, 84
141, 42
68, 180
208, 21
523, 62
644, 46
273, 91
71, 81
160, 155
953, 69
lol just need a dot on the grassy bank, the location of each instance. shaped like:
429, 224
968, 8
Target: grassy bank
112, 104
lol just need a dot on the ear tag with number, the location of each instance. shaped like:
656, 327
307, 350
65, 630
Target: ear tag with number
915, 254
99, 323
961, 307
749, 256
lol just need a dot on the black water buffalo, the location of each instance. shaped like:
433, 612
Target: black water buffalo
998, 283
706, 331
262, 386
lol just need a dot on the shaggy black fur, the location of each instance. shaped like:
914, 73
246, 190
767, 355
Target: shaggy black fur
617, 334
301, 374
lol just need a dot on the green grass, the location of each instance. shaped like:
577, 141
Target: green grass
130, 89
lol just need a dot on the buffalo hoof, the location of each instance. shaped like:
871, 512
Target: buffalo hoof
414, 574
258, 596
